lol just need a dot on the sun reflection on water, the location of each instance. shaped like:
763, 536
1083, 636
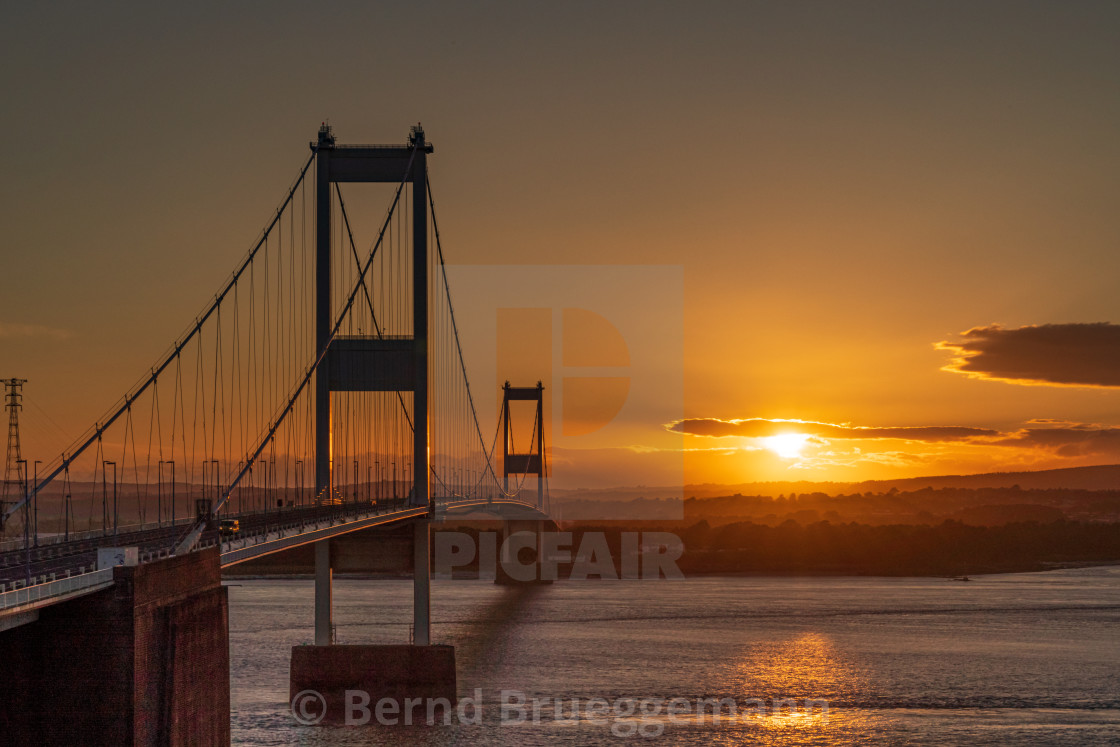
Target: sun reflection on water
805, 666
798, 681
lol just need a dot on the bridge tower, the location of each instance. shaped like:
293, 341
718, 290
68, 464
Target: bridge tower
532, 463
372, 363
13, 402
366, 363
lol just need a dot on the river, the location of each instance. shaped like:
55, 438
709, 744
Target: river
1010, 659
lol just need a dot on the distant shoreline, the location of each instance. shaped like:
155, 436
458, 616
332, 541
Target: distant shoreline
819, 573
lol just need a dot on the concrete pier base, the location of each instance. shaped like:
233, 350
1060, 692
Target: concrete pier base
144, 662
383, 684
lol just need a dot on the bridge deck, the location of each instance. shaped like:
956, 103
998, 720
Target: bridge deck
65, 570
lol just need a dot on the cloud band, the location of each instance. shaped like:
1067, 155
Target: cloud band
1085, 355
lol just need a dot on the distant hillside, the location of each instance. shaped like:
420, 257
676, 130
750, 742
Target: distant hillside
1101, 477
1086, 493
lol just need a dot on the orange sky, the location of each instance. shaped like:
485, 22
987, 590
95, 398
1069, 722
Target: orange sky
843, 191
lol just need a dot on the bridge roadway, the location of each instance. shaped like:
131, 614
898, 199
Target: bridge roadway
63, 570
80, 555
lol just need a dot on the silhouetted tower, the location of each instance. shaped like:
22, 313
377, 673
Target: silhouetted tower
13, 401
368, 363
524, 464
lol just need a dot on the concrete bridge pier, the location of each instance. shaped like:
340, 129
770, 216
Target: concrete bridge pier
143, 662
414, 683
422, 582
324, 583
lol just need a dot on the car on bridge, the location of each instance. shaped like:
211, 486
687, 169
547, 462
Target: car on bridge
229, 527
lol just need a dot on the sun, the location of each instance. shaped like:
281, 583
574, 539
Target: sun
786, 445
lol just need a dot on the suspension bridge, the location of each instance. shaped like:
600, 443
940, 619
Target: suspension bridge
322, 390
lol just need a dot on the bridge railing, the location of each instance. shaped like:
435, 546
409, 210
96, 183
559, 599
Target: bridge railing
30, 594
46, 540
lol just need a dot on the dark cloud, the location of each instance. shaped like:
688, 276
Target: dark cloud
1070, 441
1047, 354
1047, 437
761, 427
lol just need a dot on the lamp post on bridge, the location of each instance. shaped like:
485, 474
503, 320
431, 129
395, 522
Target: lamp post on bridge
172, 463
159, 493
104, 470
35, 510
66, 506
21, 469
299, 482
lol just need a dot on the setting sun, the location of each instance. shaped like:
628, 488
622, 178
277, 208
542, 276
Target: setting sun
786, 445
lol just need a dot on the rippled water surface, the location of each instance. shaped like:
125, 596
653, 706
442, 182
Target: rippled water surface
1005, 659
